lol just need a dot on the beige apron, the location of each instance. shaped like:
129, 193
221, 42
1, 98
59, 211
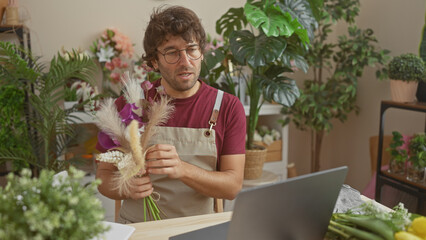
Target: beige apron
194, 146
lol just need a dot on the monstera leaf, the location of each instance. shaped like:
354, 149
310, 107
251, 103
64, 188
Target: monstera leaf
274, 22
301, 11
280, 89
233, 20
256, 50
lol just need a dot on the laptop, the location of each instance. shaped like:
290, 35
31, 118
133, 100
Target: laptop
299, 208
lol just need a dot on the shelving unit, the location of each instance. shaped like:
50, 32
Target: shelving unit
418, 190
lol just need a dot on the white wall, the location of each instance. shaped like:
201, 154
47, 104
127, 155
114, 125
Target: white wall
396, 23
77, 23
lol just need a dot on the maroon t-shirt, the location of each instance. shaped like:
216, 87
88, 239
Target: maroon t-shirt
195, 112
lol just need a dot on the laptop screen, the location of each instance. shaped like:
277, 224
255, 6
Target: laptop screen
299, 208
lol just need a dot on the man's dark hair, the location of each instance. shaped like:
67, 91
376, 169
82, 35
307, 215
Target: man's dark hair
173, 21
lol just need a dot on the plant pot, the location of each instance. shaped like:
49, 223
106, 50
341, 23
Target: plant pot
415, 173
12, 16
402, 91
396, 167
421, 92
254, 162
69, 104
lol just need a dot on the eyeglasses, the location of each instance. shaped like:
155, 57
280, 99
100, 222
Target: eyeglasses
172, 56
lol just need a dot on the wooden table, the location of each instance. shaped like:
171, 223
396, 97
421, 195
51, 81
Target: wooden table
163, 229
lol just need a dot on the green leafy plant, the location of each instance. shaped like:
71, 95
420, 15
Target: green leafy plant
332, 92
277, 40
50, 207
50, 126
399, 154
369, 222
13, 127
407, 67
417, 148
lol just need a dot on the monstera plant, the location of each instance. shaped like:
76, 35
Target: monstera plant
277, 40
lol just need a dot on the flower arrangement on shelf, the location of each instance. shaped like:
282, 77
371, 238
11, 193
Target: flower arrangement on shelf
50, 207
417, 159
72, 56
85, 93
398, 149
142, 72
126, 134
266, 135
408, 155
114, 52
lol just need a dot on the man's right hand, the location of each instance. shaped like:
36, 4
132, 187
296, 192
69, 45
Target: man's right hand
141, 187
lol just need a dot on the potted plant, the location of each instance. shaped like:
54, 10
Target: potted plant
398, 152
405, 72
417, 159
278, 38
50, 127
331, 92
50, 207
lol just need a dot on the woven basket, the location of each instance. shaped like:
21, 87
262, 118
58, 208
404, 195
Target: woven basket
254, 163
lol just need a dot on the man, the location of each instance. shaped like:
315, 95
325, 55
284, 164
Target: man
195, 158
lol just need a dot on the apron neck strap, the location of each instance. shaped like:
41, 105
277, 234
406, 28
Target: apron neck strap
215, 112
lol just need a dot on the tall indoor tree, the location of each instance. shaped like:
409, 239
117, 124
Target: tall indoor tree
337, 66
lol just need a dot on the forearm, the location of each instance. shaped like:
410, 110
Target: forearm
212, 183
225, 183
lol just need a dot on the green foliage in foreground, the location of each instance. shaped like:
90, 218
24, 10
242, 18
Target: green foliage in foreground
50, 207
369, 222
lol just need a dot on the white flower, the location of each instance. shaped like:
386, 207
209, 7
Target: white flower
257, 137
264, 129
268, 139
275, 134
105, 54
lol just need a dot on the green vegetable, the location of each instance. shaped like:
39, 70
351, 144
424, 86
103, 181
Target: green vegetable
357, 232
371, 223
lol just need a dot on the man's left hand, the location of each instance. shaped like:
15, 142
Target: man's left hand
163, 159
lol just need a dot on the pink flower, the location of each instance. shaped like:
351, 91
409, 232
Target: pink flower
117, 62
109, 66
406, 139
115, 77
161, 91
127, 114
124, 65
146, 85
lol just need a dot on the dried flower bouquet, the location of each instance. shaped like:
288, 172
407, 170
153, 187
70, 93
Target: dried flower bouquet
131, 135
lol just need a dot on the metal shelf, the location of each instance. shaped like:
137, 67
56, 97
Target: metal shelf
384, 178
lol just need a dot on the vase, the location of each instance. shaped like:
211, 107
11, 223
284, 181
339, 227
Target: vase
396, 167
255, 158
415, 173
402, 91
